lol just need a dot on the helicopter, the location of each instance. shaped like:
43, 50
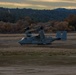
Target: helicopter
41, 39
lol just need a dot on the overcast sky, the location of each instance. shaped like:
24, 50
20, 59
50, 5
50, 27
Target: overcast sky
38, 4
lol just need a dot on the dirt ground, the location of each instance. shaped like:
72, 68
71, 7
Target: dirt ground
38, 70
9, 43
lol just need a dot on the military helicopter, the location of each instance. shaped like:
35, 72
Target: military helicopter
41, 39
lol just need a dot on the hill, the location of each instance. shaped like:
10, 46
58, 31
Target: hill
13, 15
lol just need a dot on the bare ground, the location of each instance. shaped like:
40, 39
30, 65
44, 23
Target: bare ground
38, 70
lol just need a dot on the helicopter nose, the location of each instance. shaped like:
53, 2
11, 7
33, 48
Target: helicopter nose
20, 42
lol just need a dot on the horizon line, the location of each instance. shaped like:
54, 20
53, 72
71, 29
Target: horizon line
35, 8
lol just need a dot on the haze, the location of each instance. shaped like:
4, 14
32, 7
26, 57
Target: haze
39, 4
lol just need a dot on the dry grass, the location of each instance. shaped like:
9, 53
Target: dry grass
60, 52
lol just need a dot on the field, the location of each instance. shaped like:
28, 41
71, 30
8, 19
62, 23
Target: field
59, 58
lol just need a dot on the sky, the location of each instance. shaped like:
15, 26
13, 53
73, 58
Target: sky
38, 4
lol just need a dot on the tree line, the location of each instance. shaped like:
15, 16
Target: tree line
13, 15
68, 24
